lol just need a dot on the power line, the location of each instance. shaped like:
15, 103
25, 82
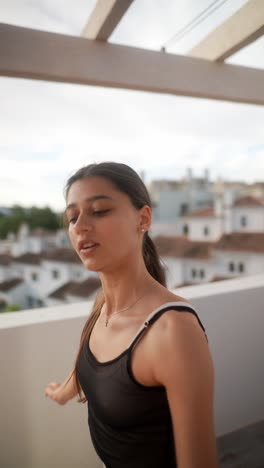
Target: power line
190, 26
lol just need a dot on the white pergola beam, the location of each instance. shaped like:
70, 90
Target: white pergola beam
40, 55
244, 27
104, 18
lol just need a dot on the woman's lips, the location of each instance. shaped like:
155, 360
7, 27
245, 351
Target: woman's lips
88, 250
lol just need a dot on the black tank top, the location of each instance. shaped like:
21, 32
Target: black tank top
130, 423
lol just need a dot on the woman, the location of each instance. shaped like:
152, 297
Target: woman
144, 363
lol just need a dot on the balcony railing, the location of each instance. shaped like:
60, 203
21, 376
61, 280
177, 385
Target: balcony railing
39, 346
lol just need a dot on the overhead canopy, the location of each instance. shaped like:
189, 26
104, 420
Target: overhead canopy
91, 60
244, 27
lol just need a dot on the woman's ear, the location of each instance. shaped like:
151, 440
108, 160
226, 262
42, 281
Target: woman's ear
145, 217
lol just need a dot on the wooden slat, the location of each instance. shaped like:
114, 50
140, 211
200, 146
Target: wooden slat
244, 27
41, 55
104, 18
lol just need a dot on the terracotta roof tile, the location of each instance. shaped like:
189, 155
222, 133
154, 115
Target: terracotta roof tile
183, 285
63, 290
79, 289
86, 287
248, 200
207, 212
66, 255
28, 259
221, 278
10, 284
5, 259
41, 232
171, 246
242, 241
182, 247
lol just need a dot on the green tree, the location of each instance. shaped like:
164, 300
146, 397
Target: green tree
11, 308
34, 217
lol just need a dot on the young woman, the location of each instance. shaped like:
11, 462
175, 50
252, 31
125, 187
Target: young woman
143, 363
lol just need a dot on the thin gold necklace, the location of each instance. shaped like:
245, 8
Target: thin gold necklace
126, 308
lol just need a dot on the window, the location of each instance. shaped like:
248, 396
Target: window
231, 266
30, 301
55, 274
243, 221
193, 273
34, 277
202, 273
185, 229
183, 208
241, 268
206, 230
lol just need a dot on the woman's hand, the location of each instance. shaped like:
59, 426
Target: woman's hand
62, 393
55, 391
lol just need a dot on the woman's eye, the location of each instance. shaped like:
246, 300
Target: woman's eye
72, 220
100, 212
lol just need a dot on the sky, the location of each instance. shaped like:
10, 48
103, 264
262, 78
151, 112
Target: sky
49, 130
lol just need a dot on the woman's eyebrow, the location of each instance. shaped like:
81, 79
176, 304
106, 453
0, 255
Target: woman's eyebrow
93, 198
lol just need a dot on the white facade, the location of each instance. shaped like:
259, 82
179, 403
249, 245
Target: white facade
248, 218
17, 295
173, 271
163, 229
5, 246
34, 242
197, 270
42, 279
5, 273
173, 204
200, 228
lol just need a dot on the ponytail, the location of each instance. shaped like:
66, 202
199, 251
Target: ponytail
96, 309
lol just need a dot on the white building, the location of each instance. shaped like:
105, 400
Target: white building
192, 262
222, 240
35, 241
36, 276
175, 198
226, 215
74, 291
239, 254
201, 225
186, 261
13, 291
248, 214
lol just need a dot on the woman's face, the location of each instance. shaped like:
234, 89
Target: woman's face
97, 213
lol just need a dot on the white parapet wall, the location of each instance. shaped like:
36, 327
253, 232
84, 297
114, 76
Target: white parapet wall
39, 346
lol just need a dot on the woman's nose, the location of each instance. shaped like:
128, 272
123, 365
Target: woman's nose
83, 223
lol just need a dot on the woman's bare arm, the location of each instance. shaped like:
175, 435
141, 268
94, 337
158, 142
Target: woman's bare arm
62, 393
188, 377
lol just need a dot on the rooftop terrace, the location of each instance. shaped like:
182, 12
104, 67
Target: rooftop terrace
39, 346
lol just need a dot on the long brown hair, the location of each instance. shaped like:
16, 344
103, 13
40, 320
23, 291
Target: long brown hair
126, 180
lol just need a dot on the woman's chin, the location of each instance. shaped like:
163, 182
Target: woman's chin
91, 266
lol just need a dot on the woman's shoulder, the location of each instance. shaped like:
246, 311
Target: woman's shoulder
174, 321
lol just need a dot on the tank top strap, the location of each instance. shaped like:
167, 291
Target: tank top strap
155, 314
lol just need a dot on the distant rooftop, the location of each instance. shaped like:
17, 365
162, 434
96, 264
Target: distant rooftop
242, 241
207, 212
10, 284
249, 201
79, 289
181, 246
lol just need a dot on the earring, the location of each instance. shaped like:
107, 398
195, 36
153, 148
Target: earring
142, 229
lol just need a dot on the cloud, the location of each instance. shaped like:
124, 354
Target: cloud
48, 130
